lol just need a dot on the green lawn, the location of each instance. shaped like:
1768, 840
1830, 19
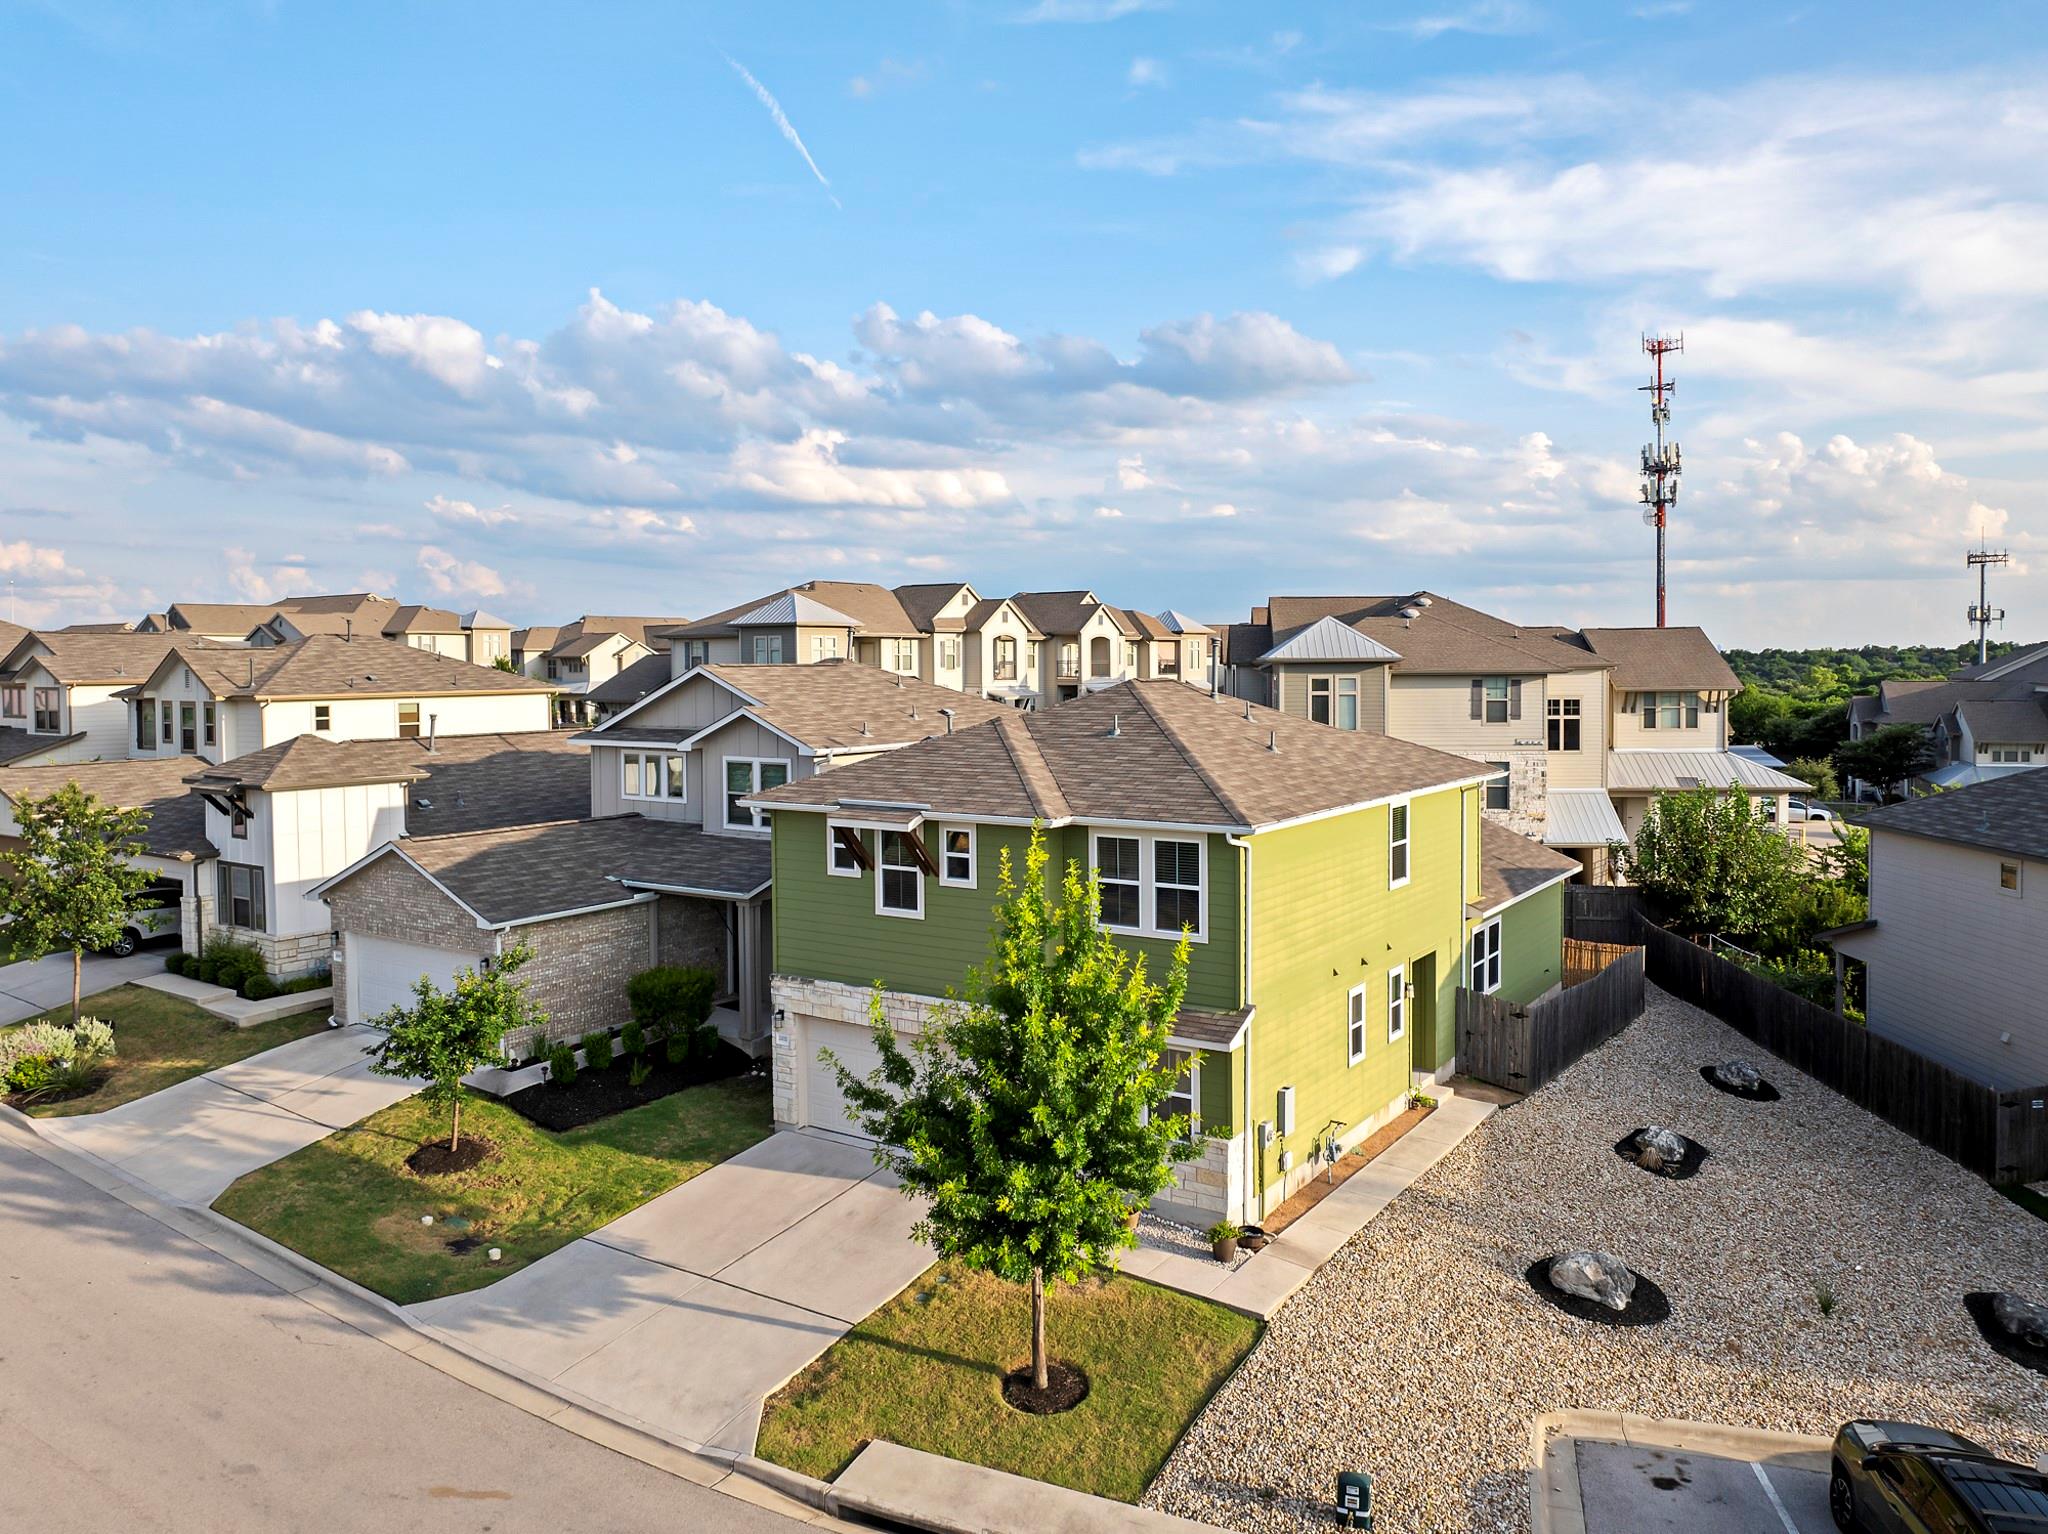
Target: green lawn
350, 1203
926, 1371
160, 1039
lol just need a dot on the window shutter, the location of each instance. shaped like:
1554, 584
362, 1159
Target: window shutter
1478, 698
1515, 698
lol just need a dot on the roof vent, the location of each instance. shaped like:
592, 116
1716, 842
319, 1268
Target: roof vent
947, 715
1247, 708
913, 710
1423, 599
1116, 725
864, 728
1272, 740
1410, 613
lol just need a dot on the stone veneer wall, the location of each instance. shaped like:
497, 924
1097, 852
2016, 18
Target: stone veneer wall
1205, 1190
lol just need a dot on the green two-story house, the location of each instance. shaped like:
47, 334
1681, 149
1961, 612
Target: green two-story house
1333, 886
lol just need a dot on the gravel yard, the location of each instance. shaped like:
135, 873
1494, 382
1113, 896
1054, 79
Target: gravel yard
1420, 1354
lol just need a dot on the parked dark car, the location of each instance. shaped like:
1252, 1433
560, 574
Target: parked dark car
1899, 1478
155, 916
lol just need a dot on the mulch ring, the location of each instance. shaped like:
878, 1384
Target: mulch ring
1978, 1304
1762, 1092
434, 1159
1646, 1306
1066, 1386
595, 1095
1695, 1156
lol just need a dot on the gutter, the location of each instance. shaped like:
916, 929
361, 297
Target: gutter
1254, 1155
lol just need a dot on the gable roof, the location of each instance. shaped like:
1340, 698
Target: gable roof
1649, 659
539, 637
415, 619
1329, 639
18, 745
984, 612
108, 659
1645, 771
1068, 612
1181, 623
477, 618
2021, 721
648, 674
921, 602
1513, 867
597, 626
2008, 814
1430, 633
177, 817
1153, 752
870, 609
794, 607
324, 666
467, 782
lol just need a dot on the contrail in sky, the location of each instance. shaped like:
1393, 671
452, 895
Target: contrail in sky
782, 121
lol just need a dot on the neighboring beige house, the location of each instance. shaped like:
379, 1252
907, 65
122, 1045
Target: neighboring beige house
580, 658
1986, 722
66, 693
1955, 951
1584, 727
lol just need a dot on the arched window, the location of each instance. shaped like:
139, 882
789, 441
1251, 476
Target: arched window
1006, 659
1098, 656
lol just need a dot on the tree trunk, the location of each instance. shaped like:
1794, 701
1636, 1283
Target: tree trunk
455, 1128
1038, 1371
77, 981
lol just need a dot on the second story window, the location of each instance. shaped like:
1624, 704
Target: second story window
744, 776
956, 856
48, 720
824, 647
767, 650
209, 722
1033, 651
408, 721
323, 717
696, 651
1564, 722
1397, 845
949, 654
1492, 699
188, 728
1176, 885
1098, 655
1671, 710
14, 701
1070, 658
1334, 700
651, 775
1005, 662
164, 721
1152, 885
899, 882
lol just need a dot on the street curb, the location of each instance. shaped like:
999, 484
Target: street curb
743, 1477
1555, 1506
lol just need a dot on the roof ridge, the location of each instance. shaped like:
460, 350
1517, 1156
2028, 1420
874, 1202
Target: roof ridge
1223, 797
1008, 731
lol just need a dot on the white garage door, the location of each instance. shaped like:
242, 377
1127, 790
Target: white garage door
825, 1106
382, 972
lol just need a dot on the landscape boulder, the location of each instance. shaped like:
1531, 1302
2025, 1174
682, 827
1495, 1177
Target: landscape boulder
1738, 1075
1659, 1149
1598, 1276
2021, 1319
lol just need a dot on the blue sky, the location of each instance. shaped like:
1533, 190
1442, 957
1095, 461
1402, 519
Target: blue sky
539, 307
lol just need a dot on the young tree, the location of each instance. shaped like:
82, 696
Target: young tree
1818, 771
1713, 861
76, 881
444, 1035
1027, 1112
1887, 757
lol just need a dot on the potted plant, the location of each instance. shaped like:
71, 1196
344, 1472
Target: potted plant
1223, 1239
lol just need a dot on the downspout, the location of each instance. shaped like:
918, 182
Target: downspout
1255, 1164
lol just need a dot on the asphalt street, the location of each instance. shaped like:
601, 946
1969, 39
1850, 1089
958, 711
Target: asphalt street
1628, 1490
148, 1384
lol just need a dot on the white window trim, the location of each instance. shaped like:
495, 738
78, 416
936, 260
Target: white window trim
973, 858
753, 821
1397, 1003
1147, 882
1487, 699
660, 760
1407, 842
832, 829
1487, 932
882, 883
1355, 1025
1194, 1093
2019, 877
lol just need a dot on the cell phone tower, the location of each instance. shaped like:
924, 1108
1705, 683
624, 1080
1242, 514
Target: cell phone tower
1983, 614
1660, 458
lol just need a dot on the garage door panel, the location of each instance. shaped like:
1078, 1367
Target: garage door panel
383, 971
825, 1105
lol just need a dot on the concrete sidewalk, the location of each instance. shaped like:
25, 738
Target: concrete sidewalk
1260, 1286
688, 1312
42, 987
189, 1141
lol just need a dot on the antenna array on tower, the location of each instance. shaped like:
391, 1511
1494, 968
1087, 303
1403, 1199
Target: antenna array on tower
1661, 464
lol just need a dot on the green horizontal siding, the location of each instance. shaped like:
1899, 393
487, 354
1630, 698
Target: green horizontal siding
1532, 945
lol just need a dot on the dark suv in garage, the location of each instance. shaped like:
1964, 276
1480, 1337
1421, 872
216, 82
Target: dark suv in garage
1898, 1478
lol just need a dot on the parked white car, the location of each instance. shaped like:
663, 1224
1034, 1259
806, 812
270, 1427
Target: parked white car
1797, 810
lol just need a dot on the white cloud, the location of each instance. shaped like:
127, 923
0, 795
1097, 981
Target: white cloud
250, 582
1107, 512
468, 513
1245, 354
809, 472
442, 348
448, 576
1087, 11
1487, 18
1144, 72
782, 123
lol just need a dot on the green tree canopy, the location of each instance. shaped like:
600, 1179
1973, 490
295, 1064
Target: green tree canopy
1714, 863
75, 878
444, 1035
1887, 757
1028, 1111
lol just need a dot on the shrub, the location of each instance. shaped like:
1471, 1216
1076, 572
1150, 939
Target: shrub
632, 1040
234, 964
207, 972
44, 1057
673, 1002
638, 1072
174, 963
597, 1050
298, 983
561, 1064
678, 1047
259, 988
188, 965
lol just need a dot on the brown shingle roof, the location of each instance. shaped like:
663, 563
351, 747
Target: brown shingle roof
324, 666
1511, 866
1155, 751
415, 619
825, 705
518, 873
1064, 612
2008, 814
1647, 659
981, 612
110, 659
648, 674
539, 637
177, 817
921, 602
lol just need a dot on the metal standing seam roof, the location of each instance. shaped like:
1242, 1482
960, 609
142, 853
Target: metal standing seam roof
1581, 817
793, 607
1329, 639
1181, 623
1649, 771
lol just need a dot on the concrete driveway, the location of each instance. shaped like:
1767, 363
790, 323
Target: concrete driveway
1635, 1489
688, 1312
189, 1141
42, 987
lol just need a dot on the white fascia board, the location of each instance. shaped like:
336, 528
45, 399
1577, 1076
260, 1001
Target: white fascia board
689, 743
701, 669
1495, 910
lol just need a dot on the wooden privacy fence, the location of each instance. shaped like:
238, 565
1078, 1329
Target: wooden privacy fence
1999, 1135
1521, 1048
1584, 960
1601, 913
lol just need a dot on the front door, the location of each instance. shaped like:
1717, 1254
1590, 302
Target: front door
1423, 1053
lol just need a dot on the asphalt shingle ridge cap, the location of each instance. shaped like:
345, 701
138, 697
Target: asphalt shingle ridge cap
1173, 736
1008, 731
400, 843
